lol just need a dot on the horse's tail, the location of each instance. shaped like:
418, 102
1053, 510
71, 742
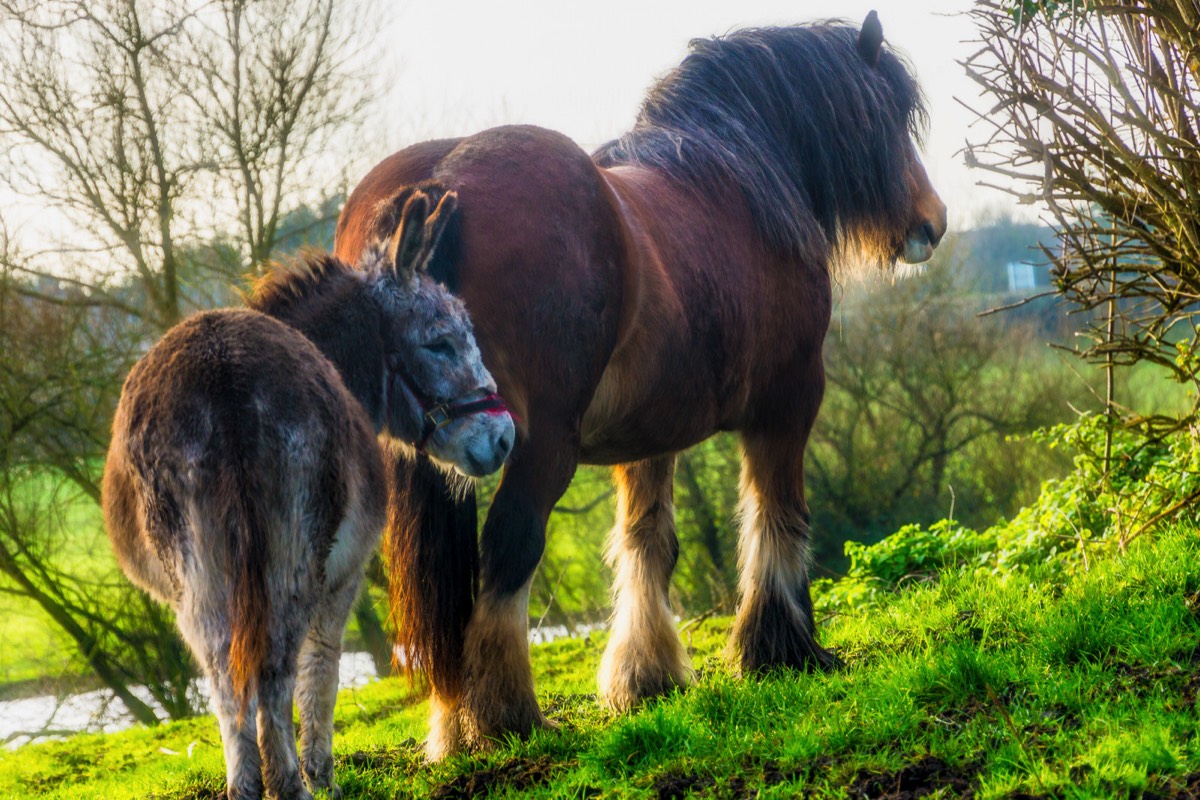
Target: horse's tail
247, 543
431, 549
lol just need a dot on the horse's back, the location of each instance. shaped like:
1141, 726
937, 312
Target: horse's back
233, 410
357, 224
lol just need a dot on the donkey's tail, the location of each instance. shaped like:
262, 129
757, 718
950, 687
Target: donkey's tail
432, 552
248, 545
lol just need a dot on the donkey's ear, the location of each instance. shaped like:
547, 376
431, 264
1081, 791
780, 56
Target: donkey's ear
405, 247
870, 39
435, 228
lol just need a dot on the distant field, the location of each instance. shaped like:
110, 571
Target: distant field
33, 650
33, 646
1015, 687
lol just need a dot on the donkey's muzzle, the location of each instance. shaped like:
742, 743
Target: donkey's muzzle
491, 446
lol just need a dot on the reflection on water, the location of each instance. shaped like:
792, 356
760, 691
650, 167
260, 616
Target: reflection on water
99, 712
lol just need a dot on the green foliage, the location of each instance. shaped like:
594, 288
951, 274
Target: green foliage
1076, 684
1022, 10
1098, 507
926, 408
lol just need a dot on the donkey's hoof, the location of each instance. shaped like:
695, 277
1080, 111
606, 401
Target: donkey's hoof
624, 696
318, 774
813, 658
293, 793
329, 787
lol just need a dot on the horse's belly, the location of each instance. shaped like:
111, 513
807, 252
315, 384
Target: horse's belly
635, 416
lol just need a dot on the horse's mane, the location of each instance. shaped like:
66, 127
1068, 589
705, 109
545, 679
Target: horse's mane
284, 286
793, 116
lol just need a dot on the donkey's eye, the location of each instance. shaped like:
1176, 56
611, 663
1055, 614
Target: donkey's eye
441, 347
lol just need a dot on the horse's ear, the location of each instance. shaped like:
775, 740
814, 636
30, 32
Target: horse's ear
870, 39
407, 242
435, 228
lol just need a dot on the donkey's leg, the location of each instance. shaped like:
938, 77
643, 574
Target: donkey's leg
276, 685
239, 738
644, 656
317, 685
208, 637
774, 625
498, 694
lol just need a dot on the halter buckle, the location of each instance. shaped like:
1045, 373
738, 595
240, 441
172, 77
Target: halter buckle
438, 416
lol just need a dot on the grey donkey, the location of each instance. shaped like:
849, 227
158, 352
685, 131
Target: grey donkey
245, 484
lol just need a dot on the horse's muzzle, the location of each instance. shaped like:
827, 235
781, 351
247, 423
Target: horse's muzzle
918, 247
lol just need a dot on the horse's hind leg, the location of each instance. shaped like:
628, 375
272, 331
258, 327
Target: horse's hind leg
644, 656
774, 625
317, 685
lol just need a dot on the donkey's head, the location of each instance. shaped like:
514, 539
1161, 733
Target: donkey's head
438, 394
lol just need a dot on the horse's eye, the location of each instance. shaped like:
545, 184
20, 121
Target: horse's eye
441, 347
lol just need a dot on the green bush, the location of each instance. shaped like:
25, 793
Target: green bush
1101, 505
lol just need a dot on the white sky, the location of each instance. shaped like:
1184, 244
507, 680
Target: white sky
582, 68
453, 68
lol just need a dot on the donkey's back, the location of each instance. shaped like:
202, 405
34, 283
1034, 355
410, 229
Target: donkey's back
245, 487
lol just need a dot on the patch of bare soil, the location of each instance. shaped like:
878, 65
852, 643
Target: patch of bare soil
1183, 788
919, 779
383, 757
1145, 681
518, 774
675, 786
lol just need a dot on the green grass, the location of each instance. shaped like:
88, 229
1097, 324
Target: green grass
1005, 688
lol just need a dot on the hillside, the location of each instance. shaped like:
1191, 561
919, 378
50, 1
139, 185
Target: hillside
1017, 686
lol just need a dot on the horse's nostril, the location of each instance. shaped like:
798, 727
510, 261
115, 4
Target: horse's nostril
930, 234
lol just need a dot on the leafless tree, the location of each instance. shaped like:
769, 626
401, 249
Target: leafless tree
157, 145
921, 398
1092, 110
145, 127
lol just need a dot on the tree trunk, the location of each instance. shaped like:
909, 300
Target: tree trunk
706, 520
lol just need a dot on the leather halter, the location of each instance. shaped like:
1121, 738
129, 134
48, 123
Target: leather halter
436, 413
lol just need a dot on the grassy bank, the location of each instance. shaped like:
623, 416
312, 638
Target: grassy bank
1016, 687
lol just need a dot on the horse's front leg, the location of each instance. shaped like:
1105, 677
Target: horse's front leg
498, 692
774, 625
644, 656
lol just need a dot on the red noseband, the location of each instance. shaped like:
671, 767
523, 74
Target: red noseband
436, 413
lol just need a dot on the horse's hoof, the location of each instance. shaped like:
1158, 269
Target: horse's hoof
829, 661
624, 690
483, 735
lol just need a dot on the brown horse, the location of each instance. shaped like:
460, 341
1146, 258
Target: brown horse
632, 303
244, 485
